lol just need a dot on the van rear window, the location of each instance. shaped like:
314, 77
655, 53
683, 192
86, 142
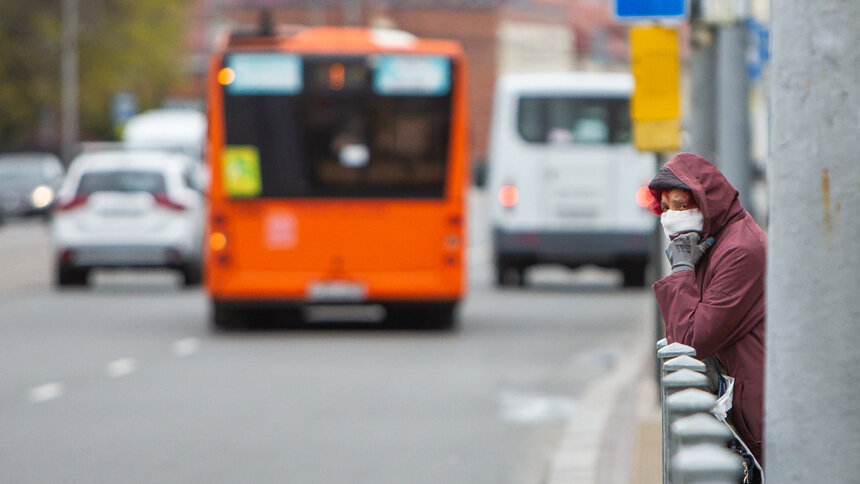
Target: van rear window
567, 120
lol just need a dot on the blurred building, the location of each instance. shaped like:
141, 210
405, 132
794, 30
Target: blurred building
499, 36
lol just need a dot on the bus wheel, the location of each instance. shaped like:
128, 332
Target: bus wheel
226, 319
442, 318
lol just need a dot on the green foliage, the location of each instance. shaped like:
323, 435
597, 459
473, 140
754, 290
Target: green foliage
123, 45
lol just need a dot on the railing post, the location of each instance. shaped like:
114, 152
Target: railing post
666, 352
683, 403
699, 428
707, 464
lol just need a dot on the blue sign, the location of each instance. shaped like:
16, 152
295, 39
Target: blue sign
650, 9
757, 48
264, 73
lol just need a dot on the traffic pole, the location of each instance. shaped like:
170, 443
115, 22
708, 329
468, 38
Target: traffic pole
732, 108
69, 81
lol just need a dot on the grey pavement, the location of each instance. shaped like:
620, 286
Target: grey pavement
123, 382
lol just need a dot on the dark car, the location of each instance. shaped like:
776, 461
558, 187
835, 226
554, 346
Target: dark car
29, 183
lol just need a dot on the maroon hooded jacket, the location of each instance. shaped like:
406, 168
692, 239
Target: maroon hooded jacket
720, 308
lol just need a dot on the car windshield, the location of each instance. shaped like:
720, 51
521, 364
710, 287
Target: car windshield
122, 181
22, 171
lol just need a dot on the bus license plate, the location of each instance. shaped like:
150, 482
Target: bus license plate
336, 291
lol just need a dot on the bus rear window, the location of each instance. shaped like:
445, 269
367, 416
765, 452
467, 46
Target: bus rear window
341, 136
562, 120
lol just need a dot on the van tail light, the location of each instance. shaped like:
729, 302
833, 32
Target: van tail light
644, 198
508, 196
77, 202
162, 200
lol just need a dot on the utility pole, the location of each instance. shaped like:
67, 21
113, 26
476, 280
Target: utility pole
812, 422
733, 153
70, 81
703, 67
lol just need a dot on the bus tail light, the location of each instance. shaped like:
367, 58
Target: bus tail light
508, 196
218, 241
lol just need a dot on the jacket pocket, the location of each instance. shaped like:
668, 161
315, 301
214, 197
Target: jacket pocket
740, 419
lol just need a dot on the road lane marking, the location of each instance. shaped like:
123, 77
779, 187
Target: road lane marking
185, 347
121, 367
43, 393
526, 408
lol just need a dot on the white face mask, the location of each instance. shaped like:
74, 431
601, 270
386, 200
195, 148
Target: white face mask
676, 222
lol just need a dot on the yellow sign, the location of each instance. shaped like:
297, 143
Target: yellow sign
241, 171
656, 99
657, 135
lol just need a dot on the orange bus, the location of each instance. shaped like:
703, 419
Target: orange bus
338, 163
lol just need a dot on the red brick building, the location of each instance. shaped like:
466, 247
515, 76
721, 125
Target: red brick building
499, 36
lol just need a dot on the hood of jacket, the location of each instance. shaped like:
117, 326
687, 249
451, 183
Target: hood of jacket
717, 199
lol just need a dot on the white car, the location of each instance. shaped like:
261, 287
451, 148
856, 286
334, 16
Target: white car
127, 209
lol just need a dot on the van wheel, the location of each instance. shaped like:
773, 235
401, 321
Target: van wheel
634, 275
510, 276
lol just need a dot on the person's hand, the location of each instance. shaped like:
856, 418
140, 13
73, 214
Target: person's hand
684, 251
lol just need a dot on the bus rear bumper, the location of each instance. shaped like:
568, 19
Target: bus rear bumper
276, 287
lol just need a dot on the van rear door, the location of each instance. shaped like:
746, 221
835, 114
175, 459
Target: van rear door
585, 162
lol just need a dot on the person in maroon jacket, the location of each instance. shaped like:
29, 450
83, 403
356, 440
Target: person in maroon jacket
714, 299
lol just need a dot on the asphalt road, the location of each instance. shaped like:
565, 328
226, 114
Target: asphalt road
124, 381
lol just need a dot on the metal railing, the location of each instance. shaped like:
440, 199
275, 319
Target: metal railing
694, 442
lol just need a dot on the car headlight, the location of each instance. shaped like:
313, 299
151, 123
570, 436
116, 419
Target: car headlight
42, 196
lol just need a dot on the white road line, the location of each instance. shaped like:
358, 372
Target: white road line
121, 367
527, 408
186, 347
43, 393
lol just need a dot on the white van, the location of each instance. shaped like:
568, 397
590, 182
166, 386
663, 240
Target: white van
182, 130
568, 186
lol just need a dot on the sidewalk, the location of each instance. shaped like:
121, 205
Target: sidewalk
616, 436
647, 457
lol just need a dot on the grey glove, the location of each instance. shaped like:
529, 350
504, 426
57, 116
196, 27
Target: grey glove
684, 251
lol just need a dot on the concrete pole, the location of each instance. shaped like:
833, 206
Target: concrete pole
812, 422
69, 79
703, 67
733, 153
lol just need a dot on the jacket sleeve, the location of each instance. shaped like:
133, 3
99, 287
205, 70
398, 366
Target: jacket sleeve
711, 319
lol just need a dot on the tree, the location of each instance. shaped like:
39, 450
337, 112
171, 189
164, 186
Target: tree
130, 45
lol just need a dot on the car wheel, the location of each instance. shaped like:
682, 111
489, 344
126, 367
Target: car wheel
192, 275
71, 276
